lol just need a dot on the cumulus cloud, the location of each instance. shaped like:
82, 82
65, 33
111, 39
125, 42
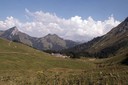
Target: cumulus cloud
9, 22
42, 23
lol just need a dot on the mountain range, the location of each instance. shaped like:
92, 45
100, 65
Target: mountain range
21, 64
48, 42
111, 44
115, 42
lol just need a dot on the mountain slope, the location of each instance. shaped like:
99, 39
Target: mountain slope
14, 34
54, 42
49, 42
1, 32
106, 45
113, 41
117, 35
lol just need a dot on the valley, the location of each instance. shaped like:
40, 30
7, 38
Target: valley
23, 65
63, 42
101, 61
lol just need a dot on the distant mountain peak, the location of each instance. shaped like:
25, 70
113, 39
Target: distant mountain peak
52, 36
14, 30
49, 42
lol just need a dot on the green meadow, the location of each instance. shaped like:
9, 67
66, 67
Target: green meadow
23, 65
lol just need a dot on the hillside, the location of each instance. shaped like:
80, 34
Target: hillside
48, 42
53, 42
23, 65
108, 45
113, 41
18, 56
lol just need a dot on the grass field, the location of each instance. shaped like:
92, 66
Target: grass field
23, 65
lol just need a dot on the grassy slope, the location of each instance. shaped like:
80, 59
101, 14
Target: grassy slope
122, 55
18, 56
22, 65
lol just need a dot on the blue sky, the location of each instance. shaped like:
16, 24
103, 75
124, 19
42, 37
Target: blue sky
98, 9
70, 19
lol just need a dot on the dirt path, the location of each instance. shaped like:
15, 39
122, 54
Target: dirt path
9, 44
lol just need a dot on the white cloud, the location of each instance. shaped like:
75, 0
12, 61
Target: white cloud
9, 22
74, 28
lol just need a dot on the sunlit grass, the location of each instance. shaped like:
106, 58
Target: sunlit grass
22, 65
